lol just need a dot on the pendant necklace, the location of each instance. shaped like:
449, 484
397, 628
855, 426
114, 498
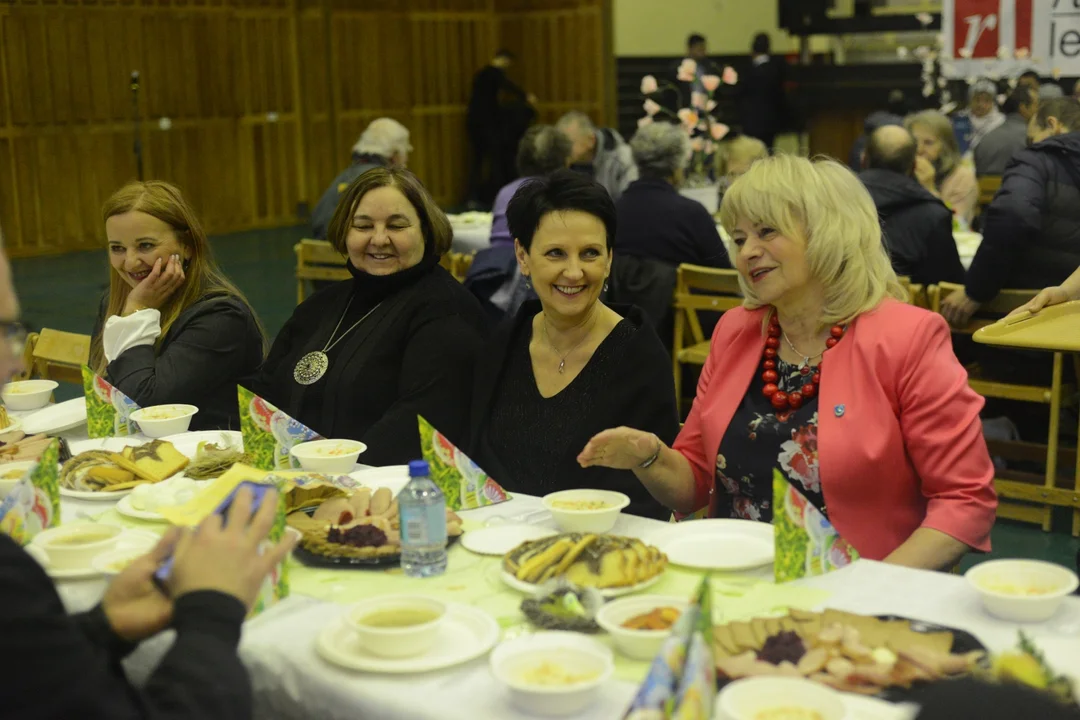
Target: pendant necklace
563, 356
314, 365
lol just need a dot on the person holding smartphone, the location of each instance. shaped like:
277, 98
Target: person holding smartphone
68, 666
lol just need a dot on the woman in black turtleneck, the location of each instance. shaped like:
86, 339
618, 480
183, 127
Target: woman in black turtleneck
363, 357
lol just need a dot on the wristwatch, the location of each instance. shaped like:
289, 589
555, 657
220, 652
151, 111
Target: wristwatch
655, 456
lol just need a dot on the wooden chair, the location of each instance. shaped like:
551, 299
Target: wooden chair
457, 264
317, 260
916, 293
698, 288
1038, 496
988, 187
56, 355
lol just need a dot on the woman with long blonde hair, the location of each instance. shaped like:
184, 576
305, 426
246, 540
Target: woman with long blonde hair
173, 328
883, 440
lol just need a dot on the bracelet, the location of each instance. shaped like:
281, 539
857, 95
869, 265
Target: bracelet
655, 456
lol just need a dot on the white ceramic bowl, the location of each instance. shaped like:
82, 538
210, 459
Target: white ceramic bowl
396, 642
636, 644
112, 563
158, 421
11, 474
329, 456
1022, 590
572, 514
514, 661
744, 699
13, 431
28, 394
75, 545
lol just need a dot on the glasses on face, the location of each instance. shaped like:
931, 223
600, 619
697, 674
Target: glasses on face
14, 334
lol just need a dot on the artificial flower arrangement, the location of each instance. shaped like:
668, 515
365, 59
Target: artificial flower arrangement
695, 114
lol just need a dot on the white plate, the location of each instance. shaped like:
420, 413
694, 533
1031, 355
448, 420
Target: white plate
56, 418
112, 444
717, 544
188, 443
467, 633
530, 589
501, 539
124, 507
126, 540
395, 477
867, 708
98, 495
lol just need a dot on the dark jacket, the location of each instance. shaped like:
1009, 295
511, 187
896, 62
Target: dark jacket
68, 666
1000, 144
489, 83
916, 227
324, 210
405, 359
628, 381
210, 346
1031, 234
655, 221
763, 101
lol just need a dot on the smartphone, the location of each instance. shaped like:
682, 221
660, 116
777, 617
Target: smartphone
258, 492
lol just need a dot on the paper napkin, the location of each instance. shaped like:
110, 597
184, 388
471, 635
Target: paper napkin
108, 411
806, 542
270, 434
465, 485
33, 504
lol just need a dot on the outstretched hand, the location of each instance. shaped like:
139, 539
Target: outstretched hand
620, 448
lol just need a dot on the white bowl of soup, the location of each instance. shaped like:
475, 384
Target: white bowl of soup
11, 474
75, 545
28, 394
591, 511
1022, 590
774, 698
158, 421
397, 626
552, 674
329, 456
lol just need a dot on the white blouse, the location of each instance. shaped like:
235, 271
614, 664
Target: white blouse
123, 333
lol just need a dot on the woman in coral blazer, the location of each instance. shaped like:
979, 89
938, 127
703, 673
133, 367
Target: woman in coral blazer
826, 377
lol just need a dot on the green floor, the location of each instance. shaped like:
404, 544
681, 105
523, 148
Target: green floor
63, 292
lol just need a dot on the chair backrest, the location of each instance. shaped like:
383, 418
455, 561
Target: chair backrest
989, 312
57, 355
457, 264
916, 293
988, 187
317, 260
702, 288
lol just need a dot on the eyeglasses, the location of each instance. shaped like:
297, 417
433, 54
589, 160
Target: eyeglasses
14, 334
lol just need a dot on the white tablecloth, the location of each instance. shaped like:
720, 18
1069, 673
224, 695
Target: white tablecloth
472, 231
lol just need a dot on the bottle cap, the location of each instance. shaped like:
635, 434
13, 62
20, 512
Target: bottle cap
419, 468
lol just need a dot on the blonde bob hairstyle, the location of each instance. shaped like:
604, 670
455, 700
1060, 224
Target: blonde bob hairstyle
825, 205
939, 124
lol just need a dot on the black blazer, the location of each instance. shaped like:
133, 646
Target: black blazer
406, 359
640, 394
209, 347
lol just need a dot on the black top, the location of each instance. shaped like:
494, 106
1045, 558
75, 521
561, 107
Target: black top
1031, 230
488, 82
758, 443
209, 347
68, 666
530, 444
654, 221
763, 101
917, 228
405, 359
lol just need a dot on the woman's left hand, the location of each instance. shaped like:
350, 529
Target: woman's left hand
134, 605
958, 309
621, 448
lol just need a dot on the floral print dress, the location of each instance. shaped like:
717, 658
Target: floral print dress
757, 443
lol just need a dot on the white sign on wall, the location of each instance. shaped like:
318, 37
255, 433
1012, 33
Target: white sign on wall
1005, 37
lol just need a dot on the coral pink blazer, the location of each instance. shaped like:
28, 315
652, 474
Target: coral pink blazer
900, 442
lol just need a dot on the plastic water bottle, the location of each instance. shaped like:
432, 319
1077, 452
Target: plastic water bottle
423, 524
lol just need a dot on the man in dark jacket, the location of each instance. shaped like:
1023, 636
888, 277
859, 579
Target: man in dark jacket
762, 93
1032, 230
491, 91
917, 227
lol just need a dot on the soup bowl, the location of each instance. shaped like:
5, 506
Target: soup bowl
329, 456
28, 394
11, 474
397, 626
590, 511
158, 421
75, 545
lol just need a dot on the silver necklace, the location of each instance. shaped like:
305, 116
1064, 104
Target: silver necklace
805, 358
314, 365
563, 356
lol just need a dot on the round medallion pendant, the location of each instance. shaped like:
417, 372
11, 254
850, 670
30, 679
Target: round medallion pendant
311, 367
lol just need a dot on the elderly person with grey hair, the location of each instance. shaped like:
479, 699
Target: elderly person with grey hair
601, 152
658, 229
542, 150
384, 141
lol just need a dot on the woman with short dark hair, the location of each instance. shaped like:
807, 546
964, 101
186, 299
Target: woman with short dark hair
567, 365
363, 357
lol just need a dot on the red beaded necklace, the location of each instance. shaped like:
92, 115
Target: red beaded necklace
786, 403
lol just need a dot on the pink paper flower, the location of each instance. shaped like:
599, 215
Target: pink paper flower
710, 147
719, 131
688, 117
710, 106
698, 100
730, 76
687, 71
710, 82
642, 122
651, 107
649, 85
697, 144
